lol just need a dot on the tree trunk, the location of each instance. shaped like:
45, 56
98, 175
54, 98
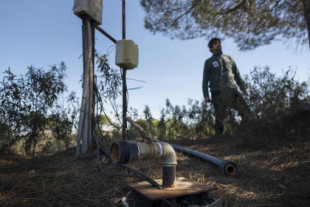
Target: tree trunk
306, 4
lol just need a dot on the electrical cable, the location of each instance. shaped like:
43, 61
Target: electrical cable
135, 174
102, 108
135, 88
115, 110
110, 49
136, 80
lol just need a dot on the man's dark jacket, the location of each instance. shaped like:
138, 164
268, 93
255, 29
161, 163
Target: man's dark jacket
220, 71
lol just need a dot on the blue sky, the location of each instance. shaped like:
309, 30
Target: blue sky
46, 32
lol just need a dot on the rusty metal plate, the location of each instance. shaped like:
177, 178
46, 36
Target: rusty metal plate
182, 186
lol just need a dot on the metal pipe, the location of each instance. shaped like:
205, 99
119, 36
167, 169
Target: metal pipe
124, 19
226, 167
124, 129
106, 34
124, 93
83, 126
127, 151
87, 121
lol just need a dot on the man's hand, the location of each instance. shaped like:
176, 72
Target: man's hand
207, 99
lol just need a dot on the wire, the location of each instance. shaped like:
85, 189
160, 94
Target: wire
110, 49
131, 172
135, 174
99, 100
136, 80
136, 88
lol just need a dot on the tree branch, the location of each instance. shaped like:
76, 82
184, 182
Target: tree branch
306, 5
238, 6
194, 4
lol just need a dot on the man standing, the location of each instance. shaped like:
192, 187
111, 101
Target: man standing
220, 74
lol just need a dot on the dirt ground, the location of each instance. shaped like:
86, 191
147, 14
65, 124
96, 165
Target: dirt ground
278, 177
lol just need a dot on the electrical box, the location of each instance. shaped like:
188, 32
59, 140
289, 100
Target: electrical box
127, 54
92, 8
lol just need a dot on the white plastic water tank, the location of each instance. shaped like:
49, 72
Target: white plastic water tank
92, 8
127, 54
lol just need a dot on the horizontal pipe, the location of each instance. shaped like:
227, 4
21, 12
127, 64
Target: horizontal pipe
127, 151
226, 167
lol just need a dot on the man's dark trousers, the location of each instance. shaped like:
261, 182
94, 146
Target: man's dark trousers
228, 98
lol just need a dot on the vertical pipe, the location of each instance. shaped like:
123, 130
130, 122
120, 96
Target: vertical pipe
87, 118
92, 96
84, 130
91, 83
168, 175
124, 132
124, 19
124, 129
84, 95
127, 151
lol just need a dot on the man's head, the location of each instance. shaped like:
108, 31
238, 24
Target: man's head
215, 45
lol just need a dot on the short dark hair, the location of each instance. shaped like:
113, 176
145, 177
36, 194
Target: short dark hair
212, 42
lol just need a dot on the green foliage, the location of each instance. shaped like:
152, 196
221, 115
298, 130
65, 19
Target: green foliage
26, 102
271, 96
63, 119
30, 106
250, 23
149, 124
104, 120
177, 122
107, 128
61, 127
202, 118
281, 110
41, 92
12, 109
108, 88
110, 79
5, 138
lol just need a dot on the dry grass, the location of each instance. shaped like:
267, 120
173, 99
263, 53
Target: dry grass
278, 177
266, 178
